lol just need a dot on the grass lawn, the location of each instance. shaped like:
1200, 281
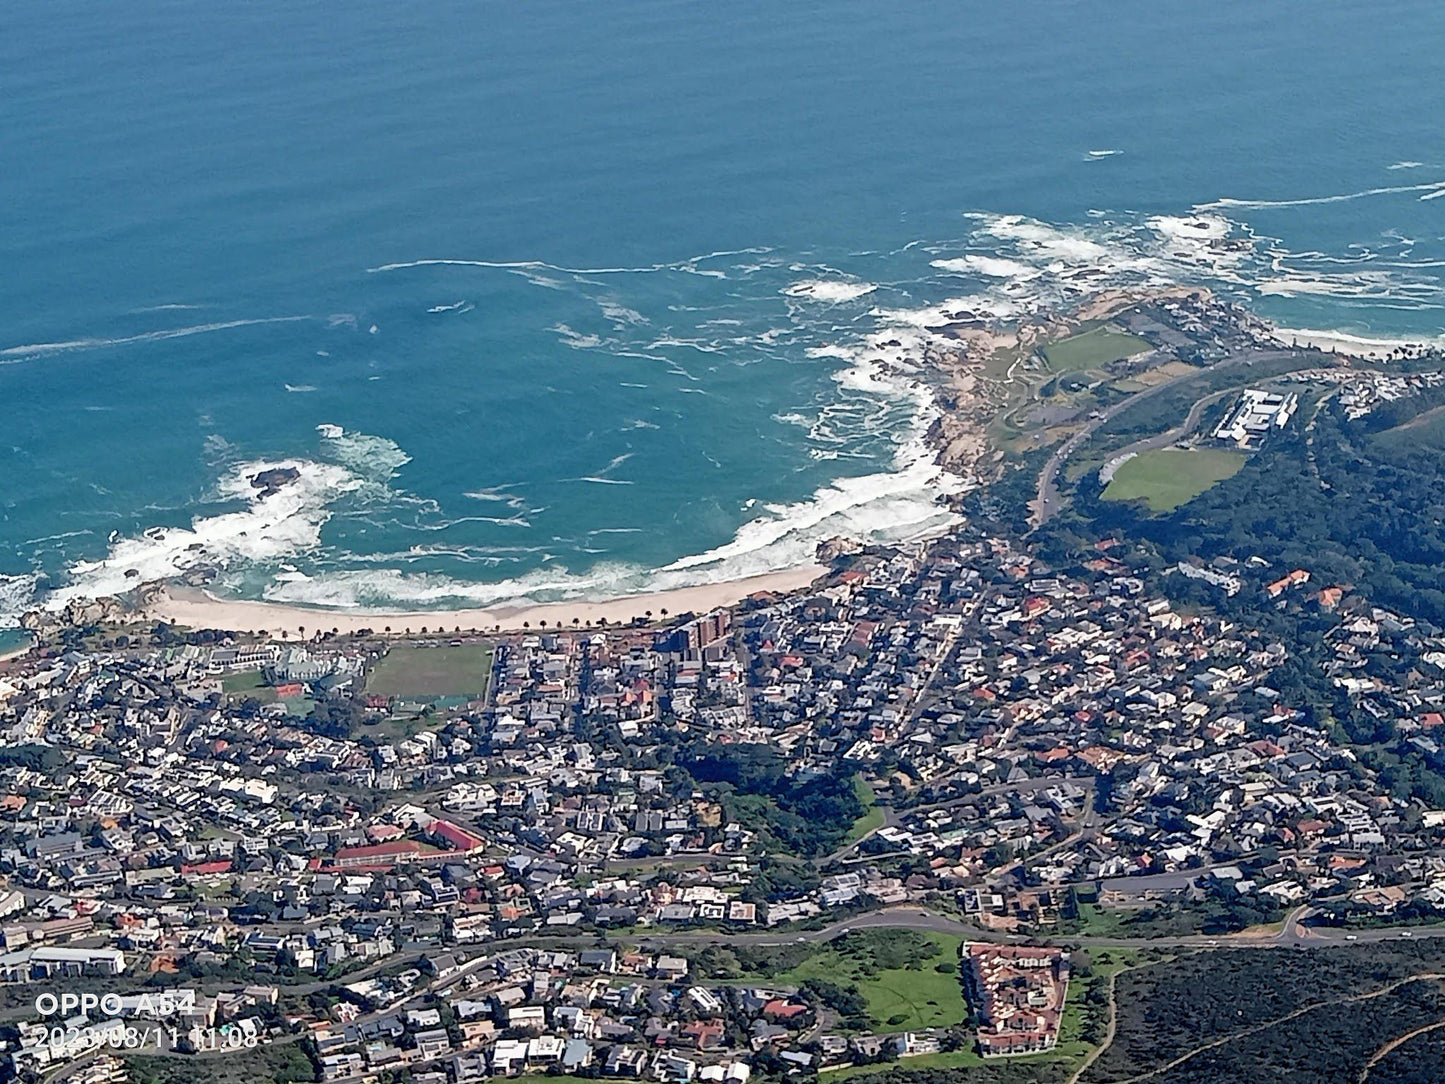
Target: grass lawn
1168, 477
249, 683
872, 819
427, 672
899, 999
956, 1059
1093, 349
1424, 430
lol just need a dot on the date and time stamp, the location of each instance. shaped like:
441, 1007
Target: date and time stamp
75, 1023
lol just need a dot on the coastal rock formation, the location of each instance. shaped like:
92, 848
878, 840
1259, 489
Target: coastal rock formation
831, 549
77, 613
273, 480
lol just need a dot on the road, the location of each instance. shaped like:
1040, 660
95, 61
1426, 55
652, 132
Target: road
1047, 501
912, 917
894, 817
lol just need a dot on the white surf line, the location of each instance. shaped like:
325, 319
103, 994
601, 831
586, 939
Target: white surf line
689, 264
1437, 188
35, 349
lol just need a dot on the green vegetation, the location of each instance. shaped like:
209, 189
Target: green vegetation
1223, 911
957, 1067
1349, 509
1168, 477
1093, 349
876, 979
1415, 1061
869, 821
248, 684
430, 672
1287, 1017
809, 817
275, 1063
948, 1059
894, 971
1425, 430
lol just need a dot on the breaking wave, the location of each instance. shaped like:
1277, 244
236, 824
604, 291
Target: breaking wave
276, 521
17, 595
871, 324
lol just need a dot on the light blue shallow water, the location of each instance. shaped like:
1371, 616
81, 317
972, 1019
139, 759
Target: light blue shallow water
222, 226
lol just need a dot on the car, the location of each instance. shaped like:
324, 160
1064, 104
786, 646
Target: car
1352, 937
801, 940
1406, 933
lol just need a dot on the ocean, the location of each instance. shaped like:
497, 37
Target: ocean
553, 299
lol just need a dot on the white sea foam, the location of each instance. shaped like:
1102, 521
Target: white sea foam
1406, 165
1343, 197
620, 314
40, 349
830, 292
992, 266
17, 594
370, 457
577, 340
269, 527
1349, 342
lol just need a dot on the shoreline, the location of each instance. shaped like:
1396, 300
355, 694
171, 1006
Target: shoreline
1354, 346
284, 621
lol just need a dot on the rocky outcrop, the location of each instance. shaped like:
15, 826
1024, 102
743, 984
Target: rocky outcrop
831, 549
77, 613
273, 480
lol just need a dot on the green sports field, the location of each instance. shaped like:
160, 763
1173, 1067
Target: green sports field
1093, 349
424, 673
1168, 477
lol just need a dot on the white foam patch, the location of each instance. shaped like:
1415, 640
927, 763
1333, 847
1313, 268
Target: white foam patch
1353, 343
829, 291
991, 266
17, 595
374, 458
1342, 197
270, 527
32, 350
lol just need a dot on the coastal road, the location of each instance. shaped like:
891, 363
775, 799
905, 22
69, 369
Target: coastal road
922, 920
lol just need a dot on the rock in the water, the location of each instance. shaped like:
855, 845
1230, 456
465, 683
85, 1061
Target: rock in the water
271, 481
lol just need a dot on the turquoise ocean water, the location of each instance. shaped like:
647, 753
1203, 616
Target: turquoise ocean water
552, 298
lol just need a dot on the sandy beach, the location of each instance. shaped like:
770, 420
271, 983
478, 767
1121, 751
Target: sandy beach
197, 609
1355, 346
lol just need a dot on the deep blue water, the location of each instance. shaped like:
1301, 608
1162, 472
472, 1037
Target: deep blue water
215, 222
